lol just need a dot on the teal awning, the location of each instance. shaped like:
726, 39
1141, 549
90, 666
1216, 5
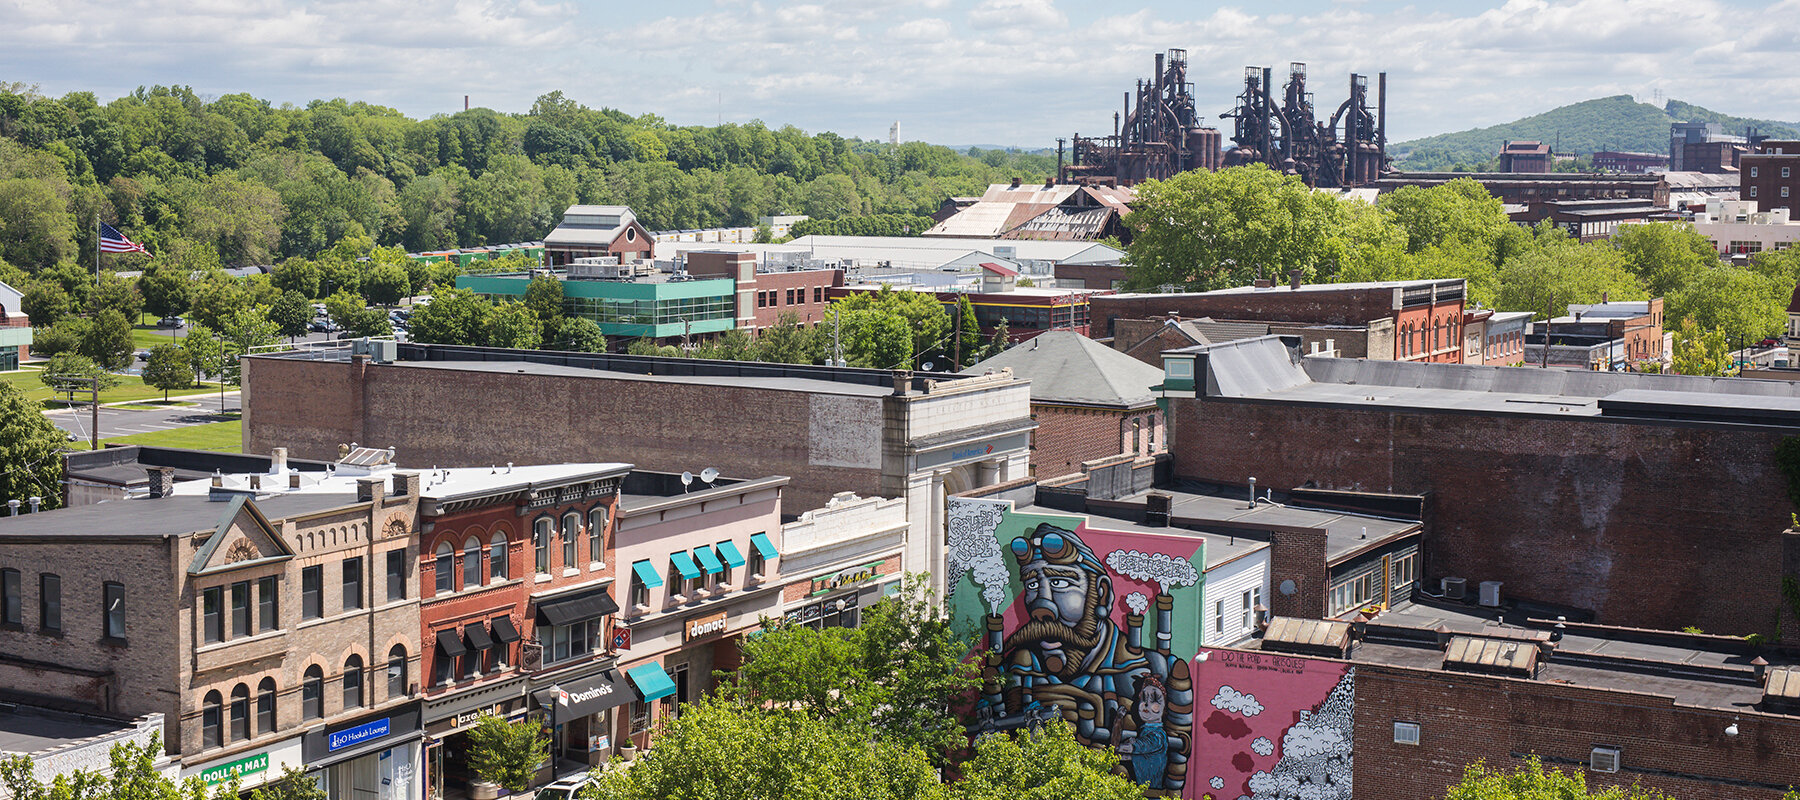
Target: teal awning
647, 573
763, 545
652, 682
708, 561
684, 564
729, 553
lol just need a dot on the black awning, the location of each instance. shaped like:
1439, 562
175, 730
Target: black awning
576, 607
451, 643
477, 636
585, 696
504, 630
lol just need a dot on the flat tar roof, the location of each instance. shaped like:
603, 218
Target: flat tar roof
151, 518
1220, 548
26, 729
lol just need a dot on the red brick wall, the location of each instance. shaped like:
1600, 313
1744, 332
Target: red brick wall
1649, 525
1067, 436
1348, 307
809, 292
1464, 718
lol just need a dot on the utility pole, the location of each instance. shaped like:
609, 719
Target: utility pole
837, 347
68, 383
956, 332
1550, 311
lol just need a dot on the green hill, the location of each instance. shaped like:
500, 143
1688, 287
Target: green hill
1607, 123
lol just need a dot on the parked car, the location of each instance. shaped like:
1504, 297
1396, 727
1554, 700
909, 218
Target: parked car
1770, 342
564, 789
170, 322
143, 355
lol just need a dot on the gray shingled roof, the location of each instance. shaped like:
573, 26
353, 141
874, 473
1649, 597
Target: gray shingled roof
1066, 367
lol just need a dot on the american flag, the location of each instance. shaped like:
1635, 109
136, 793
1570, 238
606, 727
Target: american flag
112, 241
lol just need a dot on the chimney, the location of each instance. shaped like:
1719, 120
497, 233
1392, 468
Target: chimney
255, 482
902, 381
406, 484
1156, 509
1293, 279
369, 490
1264, 283
278, 461
293, 480
1604, 296
162, 482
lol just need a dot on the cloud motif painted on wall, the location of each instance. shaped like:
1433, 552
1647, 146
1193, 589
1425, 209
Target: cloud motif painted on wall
1229, 699
1137, 602
1217, 782
1263, 746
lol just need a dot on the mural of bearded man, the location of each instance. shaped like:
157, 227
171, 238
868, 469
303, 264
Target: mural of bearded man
1070, 658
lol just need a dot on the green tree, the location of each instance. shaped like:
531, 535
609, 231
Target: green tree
579, 335
30, 459
1701, 351
133, 775
454, 316
74, 365
387, 284
890, 329
168, 368
1459, 214
116, 293
718, 749
298, 275
544, 296
1533, 782
511, 325
789, 342
166, 291
46, 303
245, 331
1664, 255
205, 351
107, 340
217, 298
1047, 764
507, 753
1548, 280
291, 312
1743, 304
63, 337
295, 783
368, 322
343, 308
997, 343
968, 333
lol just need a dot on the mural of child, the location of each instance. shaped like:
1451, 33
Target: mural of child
1147, 750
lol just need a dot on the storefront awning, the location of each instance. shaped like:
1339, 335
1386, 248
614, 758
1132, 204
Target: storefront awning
477, 636
763, 545
504, 630
684, 564
729, 552
708, 561
572, 608
583, 696
651, 681
647, 573
451, 643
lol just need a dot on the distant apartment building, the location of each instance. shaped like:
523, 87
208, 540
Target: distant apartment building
15, 329
766, 294
1770, 175
1518, 157
1737, 228
1704, 147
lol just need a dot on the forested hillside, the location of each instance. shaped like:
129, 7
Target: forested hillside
1607, 123
261, 183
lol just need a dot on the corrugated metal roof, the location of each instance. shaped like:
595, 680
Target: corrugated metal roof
984, 219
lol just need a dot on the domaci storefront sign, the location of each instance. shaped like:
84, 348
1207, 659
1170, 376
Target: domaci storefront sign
702, 627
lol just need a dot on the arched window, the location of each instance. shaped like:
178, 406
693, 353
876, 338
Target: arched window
497, 556
211, 721
471, 563
312, 693
540, 540
1137, 436
571, 528
597, 534
353, 682
396, 672
240, 713
446, 568
265, 706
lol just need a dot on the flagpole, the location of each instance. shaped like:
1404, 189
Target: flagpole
96, 247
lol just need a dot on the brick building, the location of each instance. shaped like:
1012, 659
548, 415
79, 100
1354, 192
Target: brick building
1585, 491
995, 296
763, 296
1401, 320
597, 231
1612, 336
877, 433
840, 559
1770, 176
1516, 187
1090, 401
1704, 147
1628, 161
1145, 339
1525, 157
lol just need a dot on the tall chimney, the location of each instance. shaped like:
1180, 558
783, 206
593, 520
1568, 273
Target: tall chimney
278, 461
162, 481
465, 102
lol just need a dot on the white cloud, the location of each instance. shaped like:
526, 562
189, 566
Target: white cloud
1017, 14
1229, 699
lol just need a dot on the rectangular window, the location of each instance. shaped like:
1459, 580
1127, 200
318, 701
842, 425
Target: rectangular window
1244, 622
396, 575
497, 559
212, 614
1218, 616
1406, 733
640, 716
240, 609
352, 583
112, 597
541, 540
11, 611
1784, 172
1753, 172
312, 592
268, 604
50, 603
818, 294
1753, 188
756, 563
1784, 191
597, 535
640, 592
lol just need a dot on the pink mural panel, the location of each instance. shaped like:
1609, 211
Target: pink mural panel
1270, 726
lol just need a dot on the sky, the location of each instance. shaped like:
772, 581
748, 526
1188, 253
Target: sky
957, 72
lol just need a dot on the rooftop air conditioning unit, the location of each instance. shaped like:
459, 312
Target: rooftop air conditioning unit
1604, 759
1490, 594
1454, 588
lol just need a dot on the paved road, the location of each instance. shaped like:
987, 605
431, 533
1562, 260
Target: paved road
123, 422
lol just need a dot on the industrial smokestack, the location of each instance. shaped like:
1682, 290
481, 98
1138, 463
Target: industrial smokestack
465, 102
1381, 117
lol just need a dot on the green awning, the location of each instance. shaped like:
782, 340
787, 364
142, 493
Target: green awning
708, 561
684, 564
652, 682
729, 553
763, 545
647, 573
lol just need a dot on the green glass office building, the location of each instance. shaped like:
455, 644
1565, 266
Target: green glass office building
652, 308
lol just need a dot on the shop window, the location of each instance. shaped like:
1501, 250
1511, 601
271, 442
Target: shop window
352, 584
265, 706
353, 682
212, 614
396, 672
240, 609
497, 556
540, 539
50, 603
471, 563
597, 535
571, 530
312, 592
640, 717
11, 602
212, 724
112, 603
268, 603
312, 693
396, 575
240, 713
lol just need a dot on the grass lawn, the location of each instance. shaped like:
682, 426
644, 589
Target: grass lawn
144, 338
220, 437
131, 387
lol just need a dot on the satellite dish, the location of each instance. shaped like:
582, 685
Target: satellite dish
709, 475
929, 365
687, 478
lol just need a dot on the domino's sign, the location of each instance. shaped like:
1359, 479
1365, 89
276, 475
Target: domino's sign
357, 735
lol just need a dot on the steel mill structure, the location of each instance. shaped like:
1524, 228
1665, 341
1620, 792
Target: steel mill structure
1163, 135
